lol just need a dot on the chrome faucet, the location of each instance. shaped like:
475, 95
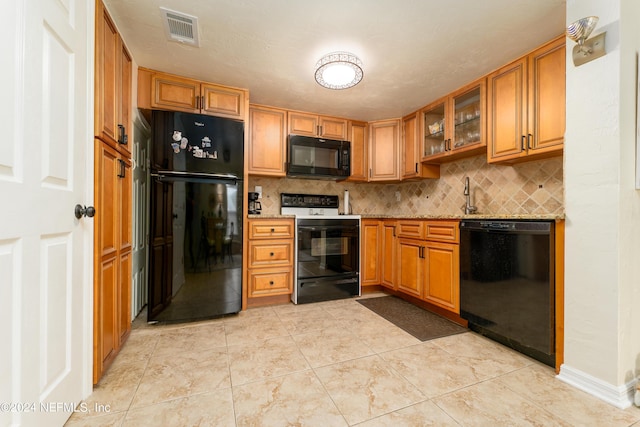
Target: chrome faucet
468, 209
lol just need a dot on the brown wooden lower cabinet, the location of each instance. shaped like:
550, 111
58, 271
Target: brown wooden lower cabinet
388, 254
112, 252
270, 281
270, 260
370, 237
428, 262
442, 276
419, 258
410, 267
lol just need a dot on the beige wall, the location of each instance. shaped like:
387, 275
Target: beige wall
630, 198
602, 289
527, 188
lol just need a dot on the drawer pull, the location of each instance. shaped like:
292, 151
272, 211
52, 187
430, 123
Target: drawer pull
273, 230
271, 254
271, 282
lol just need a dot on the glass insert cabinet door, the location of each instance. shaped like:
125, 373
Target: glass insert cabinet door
467, 112
435, 135
455, 124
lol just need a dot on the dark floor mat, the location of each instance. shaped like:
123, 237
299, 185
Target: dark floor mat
420, 323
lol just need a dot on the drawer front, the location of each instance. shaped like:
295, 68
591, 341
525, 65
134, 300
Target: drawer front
259, 229
267, 281
443, 231
270, 253
410, 229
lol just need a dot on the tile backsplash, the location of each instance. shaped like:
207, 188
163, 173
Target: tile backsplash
527, 188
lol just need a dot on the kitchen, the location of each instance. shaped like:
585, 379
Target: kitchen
580, 210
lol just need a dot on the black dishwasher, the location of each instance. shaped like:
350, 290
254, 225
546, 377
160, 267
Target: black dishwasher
507, 283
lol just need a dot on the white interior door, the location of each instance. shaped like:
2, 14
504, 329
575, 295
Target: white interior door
141, 142
46, 153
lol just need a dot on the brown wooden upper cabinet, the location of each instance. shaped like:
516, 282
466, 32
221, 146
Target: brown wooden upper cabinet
321, 126
526, 106
454, 127
168, 92
384, 150
359, 151
113, 67
410, 148
267, 140
412, 166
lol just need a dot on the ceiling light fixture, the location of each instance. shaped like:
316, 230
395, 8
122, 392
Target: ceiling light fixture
586, 50
339, 70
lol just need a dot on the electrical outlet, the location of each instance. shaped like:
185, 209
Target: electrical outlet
397, 196
259, 191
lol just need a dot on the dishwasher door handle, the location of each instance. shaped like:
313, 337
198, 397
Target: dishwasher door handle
498, 226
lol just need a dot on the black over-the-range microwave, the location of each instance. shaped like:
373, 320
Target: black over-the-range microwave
318, 158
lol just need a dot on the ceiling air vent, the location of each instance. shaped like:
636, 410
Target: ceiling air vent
180, 27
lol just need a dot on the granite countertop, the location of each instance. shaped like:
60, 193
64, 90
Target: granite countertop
542, 217
545, 217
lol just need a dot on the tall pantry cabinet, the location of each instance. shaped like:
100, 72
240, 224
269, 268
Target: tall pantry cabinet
112, 194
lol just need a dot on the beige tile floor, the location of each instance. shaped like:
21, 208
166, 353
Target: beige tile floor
330, 364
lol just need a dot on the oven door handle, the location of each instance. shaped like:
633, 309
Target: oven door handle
327, 228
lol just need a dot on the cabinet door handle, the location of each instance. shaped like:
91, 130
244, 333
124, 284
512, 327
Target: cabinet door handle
529, 137
416, 167
522, 144
122, 135
123, 168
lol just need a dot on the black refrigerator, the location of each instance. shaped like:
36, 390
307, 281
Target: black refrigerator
195, 235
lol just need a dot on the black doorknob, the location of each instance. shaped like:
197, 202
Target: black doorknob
81, 211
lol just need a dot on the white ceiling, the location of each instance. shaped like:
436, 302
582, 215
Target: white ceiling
413, 51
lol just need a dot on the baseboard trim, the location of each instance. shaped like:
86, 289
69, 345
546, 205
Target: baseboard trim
619, 396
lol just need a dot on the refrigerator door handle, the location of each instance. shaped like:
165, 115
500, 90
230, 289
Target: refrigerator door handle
162, 175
